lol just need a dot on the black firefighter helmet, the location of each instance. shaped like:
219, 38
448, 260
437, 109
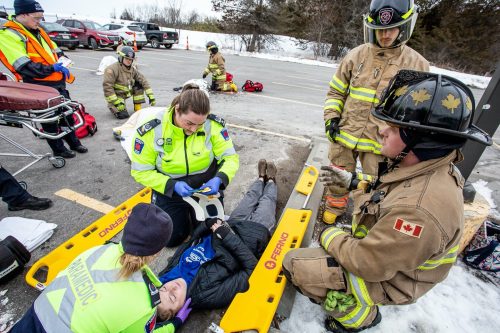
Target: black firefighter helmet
212, 47
126, 52
386, 14
436, 106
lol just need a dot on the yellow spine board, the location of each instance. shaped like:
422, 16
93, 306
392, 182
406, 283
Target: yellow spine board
307, 180
97, 233
255, 308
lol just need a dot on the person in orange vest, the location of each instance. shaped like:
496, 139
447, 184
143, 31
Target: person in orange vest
29, 53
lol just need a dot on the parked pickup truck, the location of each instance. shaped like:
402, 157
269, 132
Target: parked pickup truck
157, 37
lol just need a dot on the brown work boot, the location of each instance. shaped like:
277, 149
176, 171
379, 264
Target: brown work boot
262, 168
271, 171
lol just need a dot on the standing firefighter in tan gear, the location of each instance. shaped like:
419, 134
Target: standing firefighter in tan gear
406, 225
216, 66
356, 86
121, 81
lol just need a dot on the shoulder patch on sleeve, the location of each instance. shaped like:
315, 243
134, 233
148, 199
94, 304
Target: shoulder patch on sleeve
150, 325
217, 119
408, 228
138, 145
224, 134
148, 126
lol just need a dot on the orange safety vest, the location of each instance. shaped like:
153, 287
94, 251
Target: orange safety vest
36, 52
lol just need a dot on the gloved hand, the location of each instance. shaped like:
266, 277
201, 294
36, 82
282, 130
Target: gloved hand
214, 185
332, 128
205, 75
338, 301
184, 311
336, 176
119, 104
152, 100
58, 67
182, 189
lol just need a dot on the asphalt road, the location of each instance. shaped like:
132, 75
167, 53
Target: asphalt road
275, 124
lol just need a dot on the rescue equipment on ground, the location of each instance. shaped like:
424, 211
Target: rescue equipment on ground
89, 124
484, 250
201, 204
13, 257
45, 270
251, 86
267, 282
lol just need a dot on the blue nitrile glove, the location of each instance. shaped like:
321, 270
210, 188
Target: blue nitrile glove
214, 185
58, 67
184, 311
182, 189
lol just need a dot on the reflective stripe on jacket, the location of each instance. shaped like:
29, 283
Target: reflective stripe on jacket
358, 85
87, 296
18, 46
216, 66
405, 244
119, 80
165, 152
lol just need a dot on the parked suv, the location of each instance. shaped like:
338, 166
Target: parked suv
127, 32
90, 33
156, 37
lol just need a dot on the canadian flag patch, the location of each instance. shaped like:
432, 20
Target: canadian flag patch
408, 228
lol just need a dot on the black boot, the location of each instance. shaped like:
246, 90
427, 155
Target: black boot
65, 153
32, 203
80, 149
122, 115
332, 325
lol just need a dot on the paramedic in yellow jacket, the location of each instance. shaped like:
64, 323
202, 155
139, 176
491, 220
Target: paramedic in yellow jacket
356, 86
121, 81
180, 149
407, 225
216, 67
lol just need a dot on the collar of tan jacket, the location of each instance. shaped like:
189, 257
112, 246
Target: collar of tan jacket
420, 168
386, 52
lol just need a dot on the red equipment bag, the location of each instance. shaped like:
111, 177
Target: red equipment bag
89, 124
229, 77
251, 86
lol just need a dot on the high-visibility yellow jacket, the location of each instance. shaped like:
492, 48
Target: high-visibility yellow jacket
164, 154
216, 66
87, 297
18, 46
358, 85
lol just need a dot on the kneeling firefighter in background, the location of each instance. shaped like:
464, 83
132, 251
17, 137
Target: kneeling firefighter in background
121, 81
216, 66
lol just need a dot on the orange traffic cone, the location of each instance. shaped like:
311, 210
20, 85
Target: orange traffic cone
187, 42
135, 44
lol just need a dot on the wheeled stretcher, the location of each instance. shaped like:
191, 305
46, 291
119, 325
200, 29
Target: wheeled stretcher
30, 105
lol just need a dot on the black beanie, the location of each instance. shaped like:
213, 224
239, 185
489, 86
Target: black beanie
427, 146
26, 7
147, 230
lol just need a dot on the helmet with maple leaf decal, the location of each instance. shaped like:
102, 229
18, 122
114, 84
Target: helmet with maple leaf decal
438, 107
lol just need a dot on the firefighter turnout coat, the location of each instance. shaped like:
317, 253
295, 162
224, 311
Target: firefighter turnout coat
358, 85
216, 66
163, 154
120, 83
404, 240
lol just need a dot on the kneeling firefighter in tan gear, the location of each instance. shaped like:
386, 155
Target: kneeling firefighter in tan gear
121, 81
356, 86
217, 67
407, 224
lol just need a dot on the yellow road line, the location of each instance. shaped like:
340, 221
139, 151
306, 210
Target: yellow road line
296, 86
283, 99
496, 145
298, 138
84, 200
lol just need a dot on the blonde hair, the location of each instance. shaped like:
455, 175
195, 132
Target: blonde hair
131, 264
192, 98
164, 314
